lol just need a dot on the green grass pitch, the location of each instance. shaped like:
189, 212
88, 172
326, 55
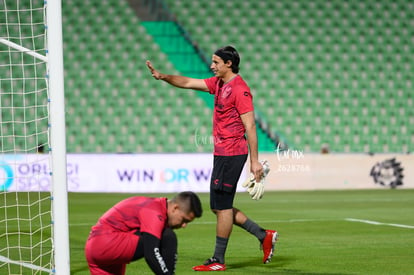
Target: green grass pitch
321, 232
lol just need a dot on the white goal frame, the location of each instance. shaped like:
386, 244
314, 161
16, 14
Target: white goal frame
57, 133
58, 137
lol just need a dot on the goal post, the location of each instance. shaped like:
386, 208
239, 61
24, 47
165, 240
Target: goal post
58, 137
34, 230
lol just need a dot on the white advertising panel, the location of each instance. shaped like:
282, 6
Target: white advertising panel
167, 173
132, 173
296, 170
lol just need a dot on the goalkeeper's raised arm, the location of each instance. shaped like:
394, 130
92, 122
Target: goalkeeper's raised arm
178, 80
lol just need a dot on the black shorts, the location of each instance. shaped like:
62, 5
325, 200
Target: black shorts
224, 178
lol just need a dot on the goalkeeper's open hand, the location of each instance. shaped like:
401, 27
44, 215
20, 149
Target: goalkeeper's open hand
254, 187
155, 74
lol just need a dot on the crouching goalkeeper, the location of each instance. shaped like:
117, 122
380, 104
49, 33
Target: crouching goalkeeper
140, 227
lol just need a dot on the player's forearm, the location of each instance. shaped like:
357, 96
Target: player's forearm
251, 134
153, 255
176, 80
156, 262
184, 82
250, 127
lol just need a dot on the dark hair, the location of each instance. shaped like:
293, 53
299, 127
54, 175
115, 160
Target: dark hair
229, 53
191, 201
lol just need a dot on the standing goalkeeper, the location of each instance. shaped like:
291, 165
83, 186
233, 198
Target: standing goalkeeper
233, 118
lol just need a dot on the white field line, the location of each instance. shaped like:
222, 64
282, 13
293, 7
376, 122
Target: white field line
380, 223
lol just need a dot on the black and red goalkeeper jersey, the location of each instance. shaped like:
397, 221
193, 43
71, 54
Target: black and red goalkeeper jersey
231, 100
145, 214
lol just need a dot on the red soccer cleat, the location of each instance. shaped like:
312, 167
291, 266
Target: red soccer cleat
211, 264
268, 245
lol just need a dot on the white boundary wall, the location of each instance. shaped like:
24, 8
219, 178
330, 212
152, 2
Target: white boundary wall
297, 171
165, 173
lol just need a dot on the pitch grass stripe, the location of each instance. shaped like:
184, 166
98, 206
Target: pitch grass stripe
380, 223
276, 221
258, 221
293, 221
347, 200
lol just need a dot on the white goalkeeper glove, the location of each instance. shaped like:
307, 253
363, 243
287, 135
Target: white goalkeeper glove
256, 189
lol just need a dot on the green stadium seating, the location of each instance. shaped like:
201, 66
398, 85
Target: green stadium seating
348, 62
114, 104
322, 72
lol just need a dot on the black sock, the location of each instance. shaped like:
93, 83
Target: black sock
221, 246
254, 229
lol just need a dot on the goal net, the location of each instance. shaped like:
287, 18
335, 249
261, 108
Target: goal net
27, 144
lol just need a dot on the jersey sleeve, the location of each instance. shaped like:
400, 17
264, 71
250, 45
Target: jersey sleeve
152, 222
243, 99
211, 84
